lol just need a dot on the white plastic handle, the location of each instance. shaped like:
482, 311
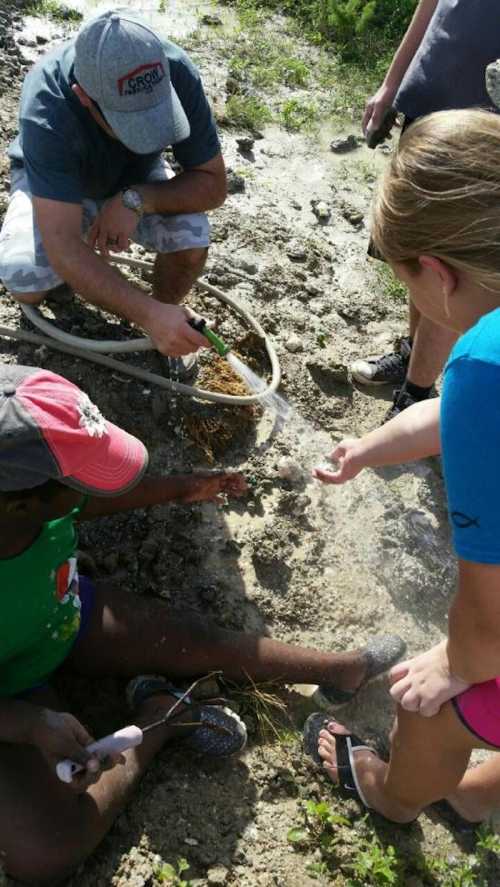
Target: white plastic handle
127, 737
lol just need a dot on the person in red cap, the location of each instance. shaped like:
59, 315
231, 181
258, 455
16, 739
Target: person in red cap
87, 172
62, 462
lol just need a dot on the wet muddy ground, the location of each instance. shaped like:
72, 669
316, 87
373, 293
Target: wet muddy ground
316, 566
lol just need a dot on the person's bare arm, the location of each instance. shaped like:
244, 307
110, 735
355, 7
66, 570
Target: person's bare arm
97, 282
195, 190
384, 97
198, 487
412, 435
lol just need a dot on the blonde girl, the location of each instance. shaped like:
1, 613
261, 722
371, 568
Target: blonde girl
437, 222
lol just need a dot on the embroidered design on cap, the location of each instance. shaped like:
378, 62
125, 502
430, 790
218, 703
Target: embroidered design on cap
141, 79
90, 417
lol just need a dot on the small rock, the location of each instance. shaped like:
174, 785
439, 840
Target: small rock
41, 39
191, 842
235, 184
352, 215
296, 252
321, 210
295, 204
294, 344
217, 875
290, 470
346, 144
493, 82
245, 144
212, 20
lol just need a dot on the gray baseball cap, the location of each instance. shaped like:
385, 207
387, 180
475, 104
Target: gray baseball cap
122, 65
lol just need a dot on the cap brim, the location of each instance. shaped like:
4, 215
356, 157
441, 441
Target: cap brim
116, 466
150, 131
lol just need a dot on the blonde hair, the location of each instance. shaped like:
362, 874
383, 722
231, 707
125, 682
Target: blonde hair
441, 196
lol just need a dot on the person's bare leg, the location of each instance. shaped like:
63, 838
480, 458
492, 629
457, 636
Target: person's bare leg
175, 273
46, 829
431, 346
478, 794
128, 635
429, 757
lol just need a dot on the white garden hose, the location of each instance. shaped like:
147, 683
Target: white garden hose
98, 350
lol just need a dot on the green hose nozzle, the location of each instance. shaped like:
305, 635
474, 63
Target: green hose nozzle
201, 327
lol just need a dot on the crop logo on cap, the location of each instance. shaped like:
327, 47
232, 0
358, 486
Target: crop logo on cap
141, 79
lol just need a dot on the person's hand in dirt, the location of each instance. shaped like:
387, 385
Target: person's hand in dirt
347, 463
113, 227
214, 486
59, 735
423, 684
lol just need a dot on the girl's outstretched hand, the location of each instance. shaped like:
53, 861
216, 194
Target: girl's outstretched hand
423, 684
349, 463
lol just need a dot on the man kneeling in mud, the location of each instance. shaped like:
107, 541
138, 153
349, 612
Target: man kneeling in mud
95, 115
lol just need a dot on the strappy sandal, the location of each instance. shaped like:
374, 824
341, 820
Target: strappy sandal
345, 746
219, 732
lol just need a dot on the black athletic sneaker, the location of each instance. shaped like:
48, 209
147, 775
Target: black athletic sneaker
402, 400
388, 369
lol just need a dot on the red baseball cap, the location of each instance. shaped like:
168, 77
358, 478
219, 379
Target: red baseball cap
50, 429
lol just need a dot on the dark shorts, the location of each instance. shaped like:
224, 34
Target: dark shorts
372, 249
86, 590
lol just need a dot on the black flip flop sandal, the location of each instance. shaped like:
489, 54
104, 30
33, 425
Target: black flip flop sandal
345, 746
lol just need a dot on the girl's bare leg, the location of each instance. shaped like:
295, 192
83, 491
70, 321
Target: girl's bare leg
129, 635
478, 794
429, 757
46, 829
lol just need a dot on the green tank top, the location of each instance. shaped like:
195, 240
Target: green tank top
39, 606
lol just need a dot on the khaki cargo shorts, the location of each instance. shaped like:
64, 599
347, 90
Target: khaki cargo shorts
24, 266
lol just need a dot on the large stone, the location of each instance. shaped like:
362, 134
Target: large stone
493, 82
345, 144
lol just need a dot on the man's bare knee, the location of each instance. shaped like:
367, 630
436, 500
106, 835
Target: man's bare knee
186, 259
29, 298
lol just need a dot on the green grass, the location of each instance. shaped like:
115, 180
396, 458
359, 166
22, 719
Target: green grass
54, 10
348, 851
265, 62
389, 283
296, 115
363, 45
247, 112
172, 875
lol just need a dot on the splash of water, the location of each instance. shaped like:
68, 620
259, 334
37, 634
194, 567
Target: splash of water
307, 445
274, 402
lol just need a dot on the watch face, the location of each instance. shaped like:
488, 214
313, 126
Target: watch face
132, 200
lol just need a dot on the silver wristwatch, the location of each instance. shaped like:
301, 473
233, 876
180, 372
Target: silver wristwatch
133, 200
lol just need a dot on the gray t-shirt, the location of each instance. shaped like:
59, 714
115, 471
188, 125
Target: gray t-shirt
448, 70
66, 154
